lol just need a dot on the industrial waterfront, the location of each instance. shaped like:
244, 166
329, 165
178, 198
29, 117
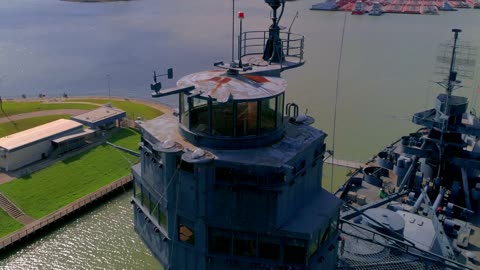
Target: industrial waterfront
381, 63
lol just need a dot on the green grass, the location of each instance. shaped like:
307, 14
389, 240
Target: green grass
8, 224
23, 124
126, 137
13, 107
47, 190
132, 109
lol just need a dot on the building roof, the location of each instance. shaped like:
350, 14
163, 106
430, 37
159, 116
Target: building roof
219, 85
74, 136
38, 133
99, 114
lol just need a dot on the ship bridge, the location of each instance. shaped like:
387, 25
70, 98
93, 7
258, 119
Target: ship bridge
233, 181
231, 111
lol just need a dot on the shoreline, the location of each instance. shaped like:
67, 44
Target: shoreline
95, 1
165, 108
61, 215
95, 198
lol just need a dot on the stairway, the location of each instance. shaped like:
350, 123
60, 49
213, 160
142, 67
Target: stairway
9, 207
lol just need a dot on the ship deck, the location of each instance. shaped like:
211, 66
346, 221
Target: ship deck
365, 196
263, 66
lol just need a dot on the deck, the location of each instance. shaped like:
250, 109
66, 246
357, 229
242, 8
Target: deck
344, 163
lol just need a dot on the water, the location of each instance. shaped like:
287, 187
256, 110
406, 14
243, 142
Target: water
101, 239
54, 47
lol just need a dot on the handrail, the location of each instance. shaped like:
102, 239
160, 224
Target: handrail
254, 42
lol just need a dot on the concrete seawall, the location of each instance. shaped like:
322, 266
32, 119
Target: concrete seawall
31, 229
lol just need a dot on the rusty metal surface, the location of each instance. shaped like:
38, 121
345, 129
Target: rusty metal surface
219, 85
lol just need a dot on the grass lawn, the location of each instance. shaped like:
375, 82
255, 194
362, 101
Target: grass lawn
47, 190
126, 137
132, 109
12, 107
8, 224
23, 124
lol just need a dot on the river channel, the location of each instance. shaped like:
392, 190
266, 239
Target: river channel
55, 47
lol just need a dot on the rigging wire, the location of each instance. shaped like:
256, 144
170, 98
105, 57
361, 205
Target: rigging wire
336, 98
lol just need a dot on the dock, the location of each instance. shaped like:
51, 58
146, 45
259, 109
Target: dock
428, 7
344, 163
60, 214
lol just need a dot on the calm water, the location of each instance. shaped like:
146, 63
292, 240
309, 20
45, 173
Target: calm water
54, 47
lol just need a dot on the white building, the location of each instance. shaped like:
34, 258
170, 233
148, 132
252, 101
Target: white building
25, 147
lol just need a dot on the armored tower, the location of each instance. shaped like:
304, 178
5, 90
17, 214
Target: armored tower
233, 180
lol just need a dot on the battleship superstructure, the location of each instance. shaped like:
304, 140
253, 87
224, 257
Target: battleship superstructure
415, 204
233, 180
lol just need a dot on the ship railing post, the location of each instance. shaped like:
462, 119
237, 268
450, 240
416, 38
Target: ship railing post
240, 48
264, 42
288, 43
245, 43
282, 57
301, 49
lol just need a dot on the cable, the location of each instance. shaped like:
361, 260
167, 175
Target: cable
336, 98
4, 113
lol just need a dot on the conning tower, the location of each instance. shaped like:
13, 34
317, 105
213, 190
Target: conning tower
231, 181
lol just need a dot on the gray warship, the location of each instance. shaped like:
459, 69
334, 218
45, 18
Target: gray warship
233, 179
415, 204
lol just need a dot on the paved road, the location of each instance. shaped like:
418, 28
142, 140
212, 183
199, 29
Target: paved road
40, 113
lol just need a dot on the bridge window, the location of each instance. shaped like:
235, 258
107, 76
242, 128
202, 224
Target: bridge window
219, 241
246, 118
151, 206
199, 115
146, 200
279, 110
222, 119
267, 115
158, 215
163, 220
137, 191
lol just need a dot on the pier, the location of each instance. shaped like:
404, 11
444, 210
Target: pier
63, 212
343, 163
398, 6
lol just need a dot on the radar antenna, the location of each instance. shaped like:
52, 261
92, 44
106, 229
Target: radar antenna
157, 86
273, 48
456, 61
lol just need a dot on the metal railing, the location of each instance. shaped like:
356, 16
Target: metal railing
61, 213
254, 42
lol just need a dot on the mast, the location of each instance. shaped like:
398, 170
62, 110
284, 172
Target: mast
449, 87
452, 75
273, 48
